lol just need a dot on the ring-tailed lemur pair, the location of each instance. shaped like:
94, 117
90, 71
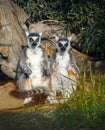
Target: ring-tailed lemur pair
37, 74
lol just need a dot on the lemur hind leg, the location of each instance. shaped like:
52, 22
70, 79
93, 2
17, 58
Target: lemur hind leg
24, 85
52, 96
66, 93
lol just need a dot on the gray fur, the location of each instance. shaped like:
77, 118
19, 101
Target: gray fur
33, 68
63, 61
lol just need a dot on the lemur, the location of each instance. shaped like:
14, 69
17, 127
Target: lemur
64, 71
33, 68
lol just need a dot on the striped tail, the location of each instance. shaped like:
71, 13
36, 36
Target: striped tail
28, 95
33, 92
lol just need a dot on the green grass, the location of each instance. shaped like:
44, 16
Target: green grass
84, 111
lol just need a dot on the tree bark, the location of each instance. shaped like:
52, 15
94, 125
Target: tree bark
12, 35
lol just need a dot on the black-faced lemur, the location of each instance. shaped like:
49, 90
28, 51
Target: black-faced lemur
64, 71
33, 69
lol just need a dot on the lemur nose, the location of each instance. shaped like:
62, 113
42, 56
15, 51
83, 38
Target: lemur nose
34, 44
63, 48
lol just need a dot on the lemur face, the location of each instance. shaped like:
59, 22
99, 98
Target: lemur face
34, 40
63, 44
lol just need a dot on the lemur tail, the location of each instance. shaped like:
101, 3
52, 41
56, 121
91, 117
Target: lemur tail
31, 93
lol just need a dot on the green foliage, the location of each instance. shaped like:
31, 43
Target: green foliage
76, 119
85, 110
86, 18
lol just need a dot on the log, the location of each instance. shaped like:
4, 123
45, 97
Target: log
12, 19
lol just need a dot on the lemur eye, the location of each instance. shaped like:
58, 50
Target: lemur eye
66, 44
37, 40
31, 40
60, 44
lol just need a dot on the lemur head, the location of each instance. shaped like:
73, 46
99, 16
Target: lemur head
63, 44
33, 39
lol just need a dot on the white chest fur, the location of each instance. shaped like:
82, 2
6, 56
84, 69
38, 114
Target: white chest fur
62, 62
34, 62
34, 56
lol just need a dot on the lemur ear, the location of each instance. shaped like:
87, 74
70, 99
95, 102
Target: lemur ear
27, 33
56, 38
40, 34
69, 38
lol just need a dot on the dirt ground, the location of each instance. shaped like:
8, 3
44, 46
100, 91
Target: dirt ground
7, 101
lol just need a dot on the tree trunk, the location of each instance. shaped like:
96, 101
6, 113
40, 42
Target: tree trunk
12, 35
